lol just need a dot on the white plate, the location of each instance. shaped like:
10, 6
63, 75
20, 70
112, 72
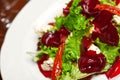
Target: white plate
16, 64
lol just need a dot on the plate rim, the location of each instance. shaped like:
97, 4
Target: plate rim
13, 28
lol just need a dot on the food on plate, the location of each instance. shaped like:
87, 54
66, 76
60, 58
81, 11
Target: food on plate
84, 41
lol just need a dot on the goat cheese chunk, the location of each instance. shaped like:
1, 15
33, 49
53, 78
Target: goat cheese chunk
41, 30
47, 64
116, 18
94, 48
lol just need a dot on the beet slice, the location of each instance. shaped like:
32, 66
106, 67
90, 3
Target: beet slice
54, 39
51, 39
103, 18
89, 61
109, 35
104, 29
66, 10
86, 42
88, 7
117, 2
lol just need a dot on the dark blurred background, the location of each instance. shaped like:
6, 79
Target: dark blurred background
8, 10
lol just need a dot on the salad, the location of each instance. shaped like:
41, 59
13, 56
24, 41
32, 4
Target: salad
82, 42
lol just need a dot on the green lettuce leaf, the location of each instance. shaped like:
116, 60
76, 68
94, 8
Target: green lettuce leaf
110, 52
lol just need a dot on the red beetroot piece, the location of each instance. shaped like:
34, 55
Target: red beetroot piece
103, 18
104, 29
66, 10
89, 61
117, 2
86, 42
64, 32
110, 35
51, 39
89, 7
54, 39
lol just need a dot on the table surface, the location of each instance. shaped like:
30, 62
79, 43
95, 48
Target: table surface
8, 10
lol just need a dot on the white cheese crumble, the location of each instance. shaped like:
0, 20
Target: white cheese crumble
47, 64
41, 30
94, 48
116, 18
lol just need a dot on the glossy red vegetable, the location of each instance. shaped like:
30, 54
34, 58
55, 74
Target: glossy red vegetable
51, 39
104, 29
66, 10
89, 7
117, 2
55, 38
90, 61
115, 69
109, 8
58, 62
